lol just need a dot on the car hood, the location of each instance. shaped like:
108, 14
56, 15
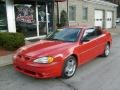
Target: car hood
45, 48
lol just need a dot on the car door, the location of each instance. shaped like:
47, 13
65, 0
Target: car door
88, 46
101, 41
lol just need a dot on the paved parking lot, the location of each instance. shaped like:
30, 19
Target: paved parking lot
116, 30
99, 74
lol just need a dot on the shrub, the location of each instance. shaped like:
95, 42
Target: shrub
63, 18
11, 41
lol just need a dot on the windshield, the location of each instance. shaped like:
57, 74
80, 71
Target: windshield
67, 35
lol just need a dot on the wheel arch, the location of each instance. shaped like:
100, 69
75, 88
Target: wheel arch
109, 43
76, 57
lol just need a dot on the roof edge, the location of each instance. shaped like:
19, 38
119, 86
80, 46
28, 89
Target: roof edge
101, 2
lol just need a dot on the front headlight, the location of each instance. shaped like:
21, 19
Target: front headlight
44, 60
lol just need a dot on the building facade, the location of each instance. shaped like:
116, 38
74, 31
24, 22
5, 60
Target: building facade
36, 18
90, 12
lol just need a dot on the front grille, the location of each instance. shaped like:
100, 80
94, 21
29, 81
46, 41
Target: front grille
18, 68
26, 71
30, 72
24, 58
27, 58
19, 56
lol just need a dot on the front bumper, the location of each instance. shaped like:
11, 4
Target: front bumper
39, 70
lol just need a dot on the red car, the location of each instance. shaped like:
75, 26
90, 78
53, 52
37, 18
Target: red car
62, 52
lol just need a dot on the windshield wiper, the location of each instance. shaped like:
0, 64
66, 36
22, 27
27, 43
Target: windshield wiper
54, 39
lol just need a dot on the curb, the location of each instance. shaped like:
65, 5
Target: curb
6, 60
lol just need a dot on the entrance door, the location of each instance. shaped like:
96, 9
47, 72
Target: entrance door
109, 19
42, 19
45, 18
99, 18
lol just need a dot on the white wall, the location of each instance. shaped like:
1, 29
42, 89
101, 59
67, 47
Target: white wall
10, 16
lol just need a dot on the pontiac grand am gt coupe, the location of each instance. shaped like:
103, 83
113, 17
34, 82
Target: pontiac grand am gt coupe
62, 52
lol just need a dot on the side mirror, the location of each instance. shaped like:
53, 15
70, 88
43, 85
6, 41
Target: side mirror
85, 40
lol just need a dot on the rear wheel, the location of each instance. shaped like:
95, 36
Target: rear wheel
69, 67
106, 50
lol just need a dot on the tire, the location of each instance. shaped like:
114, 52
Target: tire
106, 51
69, 68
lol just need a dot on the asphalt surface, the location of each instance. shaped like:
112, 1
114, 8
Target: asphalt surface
118, 26
99, 74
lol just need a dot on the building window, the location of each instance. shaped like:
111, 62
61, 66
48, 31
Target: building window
72, 13
26, 19
85, 13
3, 17
31, 19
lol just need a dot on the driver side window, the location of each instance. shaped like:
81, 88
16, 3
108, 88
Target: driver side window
91, 33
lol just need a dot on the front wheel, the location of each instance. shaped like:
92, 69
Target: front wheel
69, 67
106, 50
